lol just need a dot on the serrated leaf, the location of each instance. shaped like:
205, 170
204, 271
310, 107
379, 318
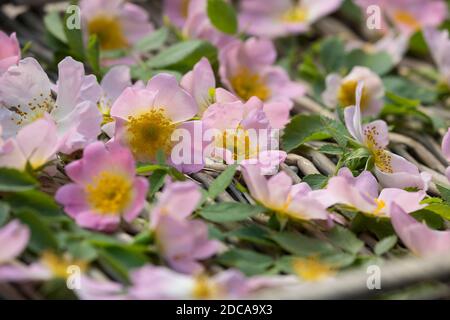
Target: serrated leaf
229, 211
336, 129
301, 129
222, 181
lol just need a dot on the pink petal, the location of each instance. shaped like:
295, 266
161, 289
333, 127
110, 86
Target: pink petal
420, 239
13, 240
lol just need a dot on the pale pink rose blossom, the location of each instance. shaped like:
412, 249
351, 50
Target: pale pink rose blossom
280, 195
182, 242
408, 16
362, 193
105, 188
35, 145
247, 69
391, 170
283, 17
341, 91
27, 95
118, 25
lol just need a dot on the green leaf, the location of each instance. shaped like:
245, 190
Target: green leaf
332, 54
301, 245
385, 244
441, 209
12, 180
222, 16
380, 62
4, 212
229, 211
183, 55
82, 250
120, 259
42, 237
35, 200
345, 239
253, 234
54, 25
156, 181
315, 181
445, 193
74, 39
93, 54
381, 227
301, 129
222, 181
153, 41
337, 130
405, 88
331, 149
249, 262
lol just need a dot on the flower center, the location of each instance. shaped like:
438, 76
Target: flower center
295, 14
383, 161
109, 193
204, 289
347, 94
247, 84
60, 266
380, 206
240, 142
109, 32
406, 18
35, 109
149, 133
310, 269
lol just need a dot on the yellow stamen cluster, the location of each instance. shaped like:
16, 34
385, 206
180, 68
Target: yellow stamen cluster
37, 108
383, 161
347, 94
59, 266
109, 193
310, 269
109, 31
247, 84
295, 14
382, 158
238, 141
380, 206
406, 18
204, 288
148, 133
